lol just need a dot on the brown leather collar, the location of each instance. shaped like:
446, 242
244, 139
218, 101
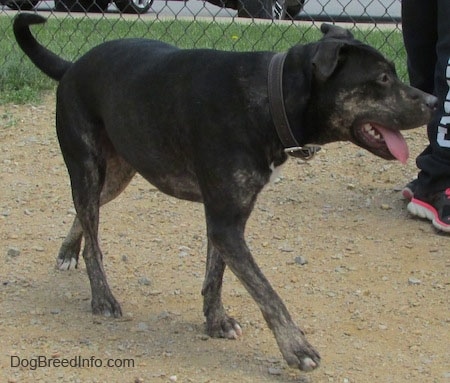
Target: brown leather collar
278, 111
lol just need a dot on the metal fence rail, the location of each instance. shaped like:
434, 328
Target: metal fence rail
367, 16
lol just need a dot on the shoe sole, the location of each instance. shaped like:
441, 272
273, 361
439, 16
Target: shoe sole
423, 210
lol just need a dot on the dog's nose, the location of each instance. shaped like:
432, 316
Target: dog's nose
431, 101
428, 99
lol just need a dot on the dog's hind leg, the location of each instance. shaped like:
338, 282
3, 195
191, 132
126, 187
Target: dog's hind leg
118, 175
87, 154
218, 323
70, 248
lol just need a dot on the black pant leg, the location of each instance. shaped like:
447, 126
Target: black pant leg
419, 25
426, 31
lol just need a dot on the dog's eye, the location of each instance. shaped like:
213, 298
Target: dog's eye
384, 79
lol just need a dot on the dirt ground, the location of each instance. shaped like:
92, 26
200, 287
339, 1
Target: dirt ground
372, 296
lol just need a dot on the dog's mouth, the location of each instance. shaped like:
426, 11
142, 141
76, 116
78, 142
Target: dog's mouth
382, 141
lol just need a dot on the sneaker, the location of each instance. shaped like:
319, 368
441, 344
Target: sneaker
409, 189
436, 208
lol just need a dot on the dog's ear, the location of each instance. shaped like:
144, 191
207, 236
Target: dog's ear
335, 32
327, 58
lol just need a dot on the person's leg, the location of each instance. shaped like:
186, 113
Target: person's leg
419, 25
435, 166
432, 195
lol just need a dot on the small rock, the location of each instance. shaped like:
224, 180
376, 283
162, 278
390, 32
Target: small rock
274, 371
385, 206
144, 281
32, 139
55, 311
68, 295
173, 378
414, 281
142, 327
164, 315
13, 252
185, 251
300, 260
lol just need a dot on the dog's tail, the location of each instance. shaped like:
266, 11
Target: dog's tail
49, 63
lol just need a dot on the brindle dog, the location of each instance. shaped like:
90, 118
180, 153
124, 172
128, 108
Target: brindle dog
198, 124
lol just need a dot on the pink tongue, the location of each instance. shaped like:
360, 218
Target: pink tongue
395, 143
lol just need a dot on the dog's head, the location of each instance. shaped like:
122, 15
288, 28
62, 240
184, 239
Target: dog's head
356, 96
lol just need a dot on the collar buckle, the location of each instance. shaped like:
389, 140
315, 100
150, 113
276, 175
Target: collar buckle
305, 153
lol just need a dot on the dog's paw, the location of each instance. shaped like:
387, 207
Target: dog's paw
297, 352
304, 362
68, 255
231, 329
226, 327
106, 306
66, 263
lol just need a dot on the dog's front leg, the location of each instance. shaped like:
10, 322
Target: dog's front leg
218, 323
228, 239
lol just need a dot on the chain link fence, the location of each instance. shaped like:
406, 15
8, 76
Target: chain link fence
244, 24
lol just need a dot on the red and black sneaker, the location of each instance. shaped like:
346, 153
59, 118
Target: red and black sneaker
409, 190
435, 207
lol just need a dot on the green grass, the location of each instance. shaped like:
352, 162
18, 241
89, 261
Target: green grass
22, 82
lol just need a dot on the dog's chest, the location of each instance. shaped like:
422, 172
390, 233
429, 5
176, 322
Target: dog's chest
276, 172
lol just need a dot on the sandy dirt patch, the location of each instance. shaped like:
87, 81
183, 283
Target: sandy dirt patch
373, 296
